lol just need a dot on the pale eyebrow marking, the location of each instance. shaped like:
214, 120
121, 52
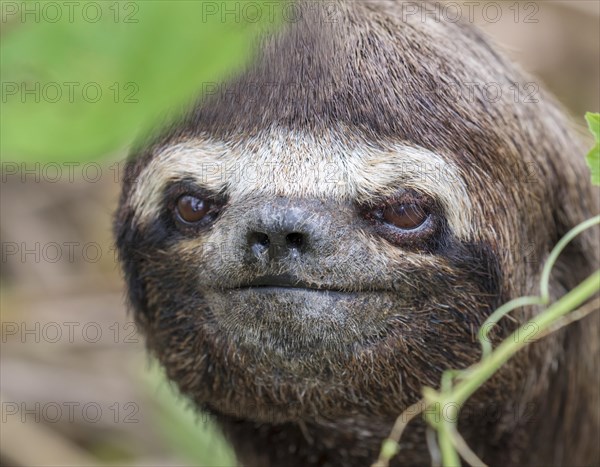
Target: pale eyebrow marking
297, 164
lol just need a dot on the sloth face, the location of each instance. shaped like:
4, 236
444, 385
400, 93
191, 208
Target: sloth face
271, 265
329, 252
308, 247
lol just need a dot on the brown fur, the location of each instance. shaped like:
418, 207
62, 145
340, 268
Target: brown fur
305, 378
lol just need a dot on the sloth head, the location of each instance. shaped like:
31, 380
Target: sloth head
325, 233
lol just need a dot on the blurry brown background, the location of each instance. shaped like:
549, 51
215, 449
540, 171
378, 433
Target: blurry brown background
71, 362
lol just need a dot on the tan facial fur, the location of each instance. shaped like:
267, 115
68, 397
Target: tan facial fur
299, 164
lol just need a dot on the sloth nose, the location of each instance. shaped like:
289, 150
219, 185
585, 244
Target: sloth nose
282, 229
279, 243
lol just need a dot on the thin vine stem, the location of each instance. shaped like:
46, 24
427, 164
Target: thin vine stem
486, 345
483, 370
458, 385
557, 250
544, 298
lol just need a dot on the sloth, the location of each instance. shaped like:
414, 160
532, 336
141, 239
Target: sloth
322, 235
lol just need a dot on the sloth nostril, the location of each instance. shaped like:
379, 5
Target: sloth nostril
262, 239
259, 242
278, 244
294, 240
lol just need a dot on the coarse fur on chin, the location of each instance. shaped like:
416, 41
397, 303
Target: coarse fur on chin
343, 116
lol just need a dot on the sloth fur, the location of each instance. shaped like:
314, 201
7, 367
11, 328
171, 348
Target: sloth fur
370, 105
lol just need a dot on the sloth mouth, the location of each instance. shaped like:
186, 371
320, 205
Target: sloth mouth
288, 317
281, 282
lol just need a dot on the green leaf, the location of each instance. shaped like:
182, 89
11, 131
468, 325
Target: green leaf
593, 157
593, 120
81, 79
193, 436
593, 160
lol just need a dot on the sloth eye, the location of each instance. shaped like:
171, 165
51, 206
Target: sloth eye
404, 216
407, 219
191, 209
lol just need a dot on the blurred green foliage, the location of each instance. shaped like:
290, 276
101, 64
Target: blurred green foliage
193, 436
593, 157
82, 79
